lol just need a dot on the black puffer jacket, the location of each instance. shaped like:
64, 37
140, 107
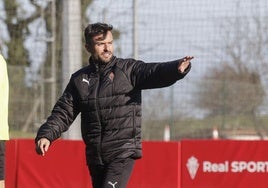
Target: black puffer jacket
109, 99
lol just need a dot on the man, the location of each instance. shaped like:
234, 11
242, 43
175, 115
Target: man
4, 134
107, 93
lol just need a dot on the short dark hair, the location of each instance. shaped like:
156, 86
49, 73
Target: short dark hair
95, 29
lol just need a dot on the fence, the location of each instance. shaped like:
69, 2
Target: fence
225, 90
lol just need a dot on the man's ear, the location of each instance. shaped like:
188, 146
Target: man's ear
88, 47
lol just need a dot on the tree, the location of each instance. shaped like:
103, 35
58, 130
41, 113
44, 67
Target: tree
237, 86
17, 29
17, 20
228, 91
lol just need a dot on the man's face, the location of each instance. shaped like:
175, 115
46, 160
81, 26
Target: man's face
102, 48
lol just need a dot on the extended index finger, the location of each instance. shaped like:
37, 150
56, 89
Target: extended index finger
188, 58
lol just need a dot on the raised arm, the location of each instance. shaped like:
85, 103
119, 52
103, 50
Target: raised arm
158, 75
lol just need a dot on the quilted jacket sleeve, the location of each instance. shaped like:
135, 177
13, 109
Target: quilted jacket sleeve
156, 75
63, 114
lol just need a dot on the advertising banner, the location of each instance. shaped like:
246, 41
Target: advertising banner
64, 165
185, 164
221, 164
159, 166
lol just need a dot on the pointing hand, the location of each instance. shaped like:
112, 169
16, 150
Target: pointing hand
185, 63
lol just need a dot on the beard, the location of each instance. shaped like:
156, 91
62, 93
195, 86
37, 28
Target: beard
104, 57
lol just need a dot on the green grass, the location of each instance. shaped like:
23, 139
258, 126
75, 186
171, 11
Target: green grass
187, 128
20, 134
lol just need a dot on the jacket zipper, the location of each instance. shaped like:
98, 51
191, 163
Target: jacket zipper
98, 116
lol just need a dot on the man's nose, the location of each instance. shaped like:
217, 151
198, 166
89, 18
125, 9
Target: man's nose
106, 47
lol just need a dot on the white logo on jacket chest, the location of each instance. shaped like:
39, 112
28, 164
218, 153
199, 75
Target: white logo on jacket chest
112, 184
85, 80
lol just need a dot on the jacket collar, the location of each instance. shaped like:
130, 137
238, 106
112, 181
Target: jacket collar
99, 66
